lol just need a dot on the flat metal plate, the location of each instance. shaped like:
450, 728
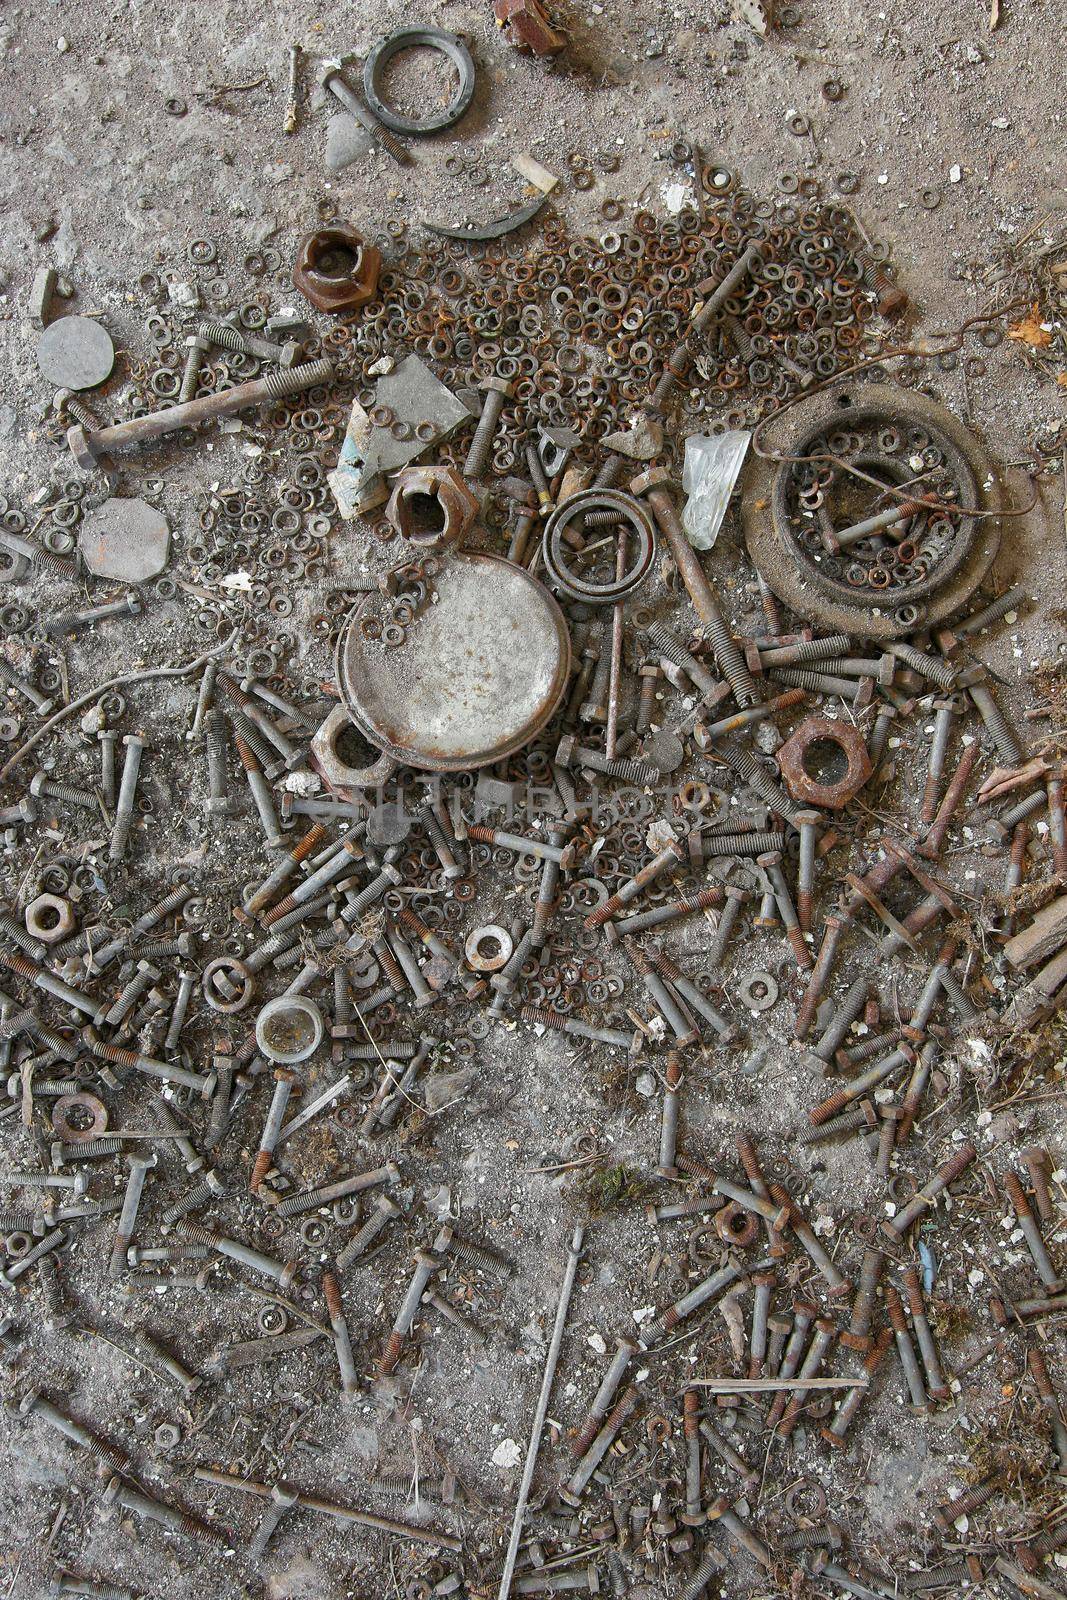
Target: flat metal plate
75, 353
125, 539
480, 673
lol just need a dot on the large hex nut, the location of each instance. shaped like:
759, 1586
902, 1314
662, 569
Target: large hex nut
329, 760
431, 507
335, 270
825, 763
49, 918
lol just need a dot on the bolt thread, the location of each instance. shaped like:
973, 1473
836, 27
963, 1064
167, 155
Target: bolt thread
148, 949
163, 908
547, 1019
220, 333
847, 1122
694, 1168
62, 566
806, 678
731, 661
201, 1195
70, 793
667, 645
938, 672
711, 1564
20, 964
308, 844
969, 1501
756, 843
279, 384
1000, 731
482, 443
11, 930
473, 1255
90, 1149
246, 755
17, 1221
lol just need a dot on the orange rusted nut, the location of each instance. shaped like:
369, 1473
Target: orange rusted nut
527, 27
431, 507
825, 763
335, 270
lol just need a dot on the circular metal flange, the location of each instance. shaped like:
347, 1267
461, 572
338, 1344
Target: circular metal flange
796, 578
478, 675
448, 44
631, 514
75, 353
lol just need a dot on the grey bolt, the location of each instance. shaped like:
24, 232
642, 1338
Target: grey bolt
497, 391
88, 446
131, 768
40, 703
283, 1271
140, 1166
42, 787
385, 1210
425, 1267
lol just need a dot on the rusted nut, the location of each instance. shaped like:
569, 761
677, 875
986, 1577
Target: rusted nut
337, 746
49, 918
825, 763
431, 507
736, 1226
335, 270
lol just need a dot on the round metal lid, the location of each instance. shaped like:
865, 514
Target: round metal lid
480, 671
76, 353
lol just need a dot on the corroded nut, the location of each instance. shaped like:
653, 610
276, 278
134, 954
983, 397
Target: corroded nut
825, 763
49, 918
431, 507
335, 763
335, 270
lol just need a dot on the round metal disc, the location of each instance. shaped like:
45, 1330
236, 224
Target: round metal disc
125, 539
75, 353
479, 673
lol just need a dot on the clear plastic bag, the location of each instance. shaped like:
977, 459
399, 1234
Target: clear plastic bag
711, 469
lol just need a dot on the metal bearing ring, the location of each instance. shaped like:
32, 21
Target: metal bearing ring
227, 997
629, 511
450, 45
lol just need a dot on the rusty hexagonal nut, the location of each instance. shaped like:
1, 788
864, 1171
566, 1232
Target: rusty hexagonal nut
335, 270
49, 918
431, 506
527, 26
335, 764
825, 763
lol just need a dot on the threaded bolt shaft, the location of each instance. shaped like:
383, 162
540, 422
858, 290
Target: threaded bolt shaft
496, 393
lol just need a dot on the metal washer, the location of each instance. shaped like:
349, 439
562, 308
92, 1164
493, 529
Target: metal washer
448, 44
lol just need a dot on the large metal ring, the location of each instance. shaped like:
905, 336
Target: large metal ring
629, 511
450, 45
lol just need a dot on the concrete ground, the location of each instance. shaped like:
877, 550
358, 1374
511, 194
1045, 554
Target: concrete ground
953, 121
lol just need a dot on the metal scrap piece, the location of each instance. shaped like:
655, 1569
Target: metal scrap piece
125, 539
422, 409
490, 230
